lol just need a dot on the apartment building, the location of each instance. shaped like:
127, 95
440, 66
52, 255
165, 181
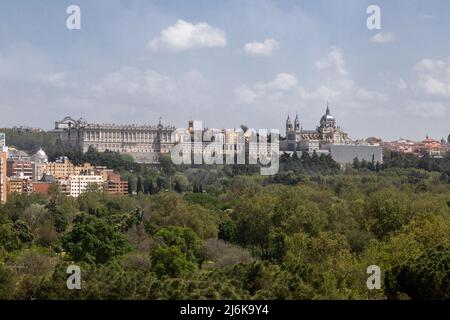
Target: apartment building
3, 175
80, 183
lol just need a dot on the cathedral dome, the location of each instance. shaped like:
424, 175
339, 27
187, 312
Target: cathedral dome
327, 117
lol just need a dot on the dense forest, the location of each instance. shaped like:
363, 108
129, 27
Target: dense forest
225, 232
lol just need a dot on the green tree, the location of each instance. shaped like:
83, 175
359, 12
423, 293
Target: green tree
7, 282
425, 277
95, 241
170, 261
139, 186
184, 238
130, 185
9, 237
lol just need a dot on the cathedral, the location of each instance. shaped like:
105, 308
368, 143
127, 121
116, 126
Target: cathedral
310, 140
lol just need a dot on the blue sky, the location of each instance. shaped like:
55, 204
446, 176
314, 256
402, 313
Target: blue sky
229, 63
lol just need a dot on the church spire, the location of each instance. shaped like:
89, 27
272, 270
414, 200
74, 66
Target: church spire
296, 122
288, 123
328, 108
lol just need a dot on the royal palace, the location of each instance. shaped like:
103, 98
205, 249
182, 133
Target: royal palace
144, 142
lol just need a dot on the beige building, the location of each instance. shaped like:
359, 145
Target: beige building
62, 168
3, 176
144, 143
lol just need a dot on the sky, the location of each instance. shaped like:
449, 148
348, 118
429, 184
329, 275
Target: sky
228, 63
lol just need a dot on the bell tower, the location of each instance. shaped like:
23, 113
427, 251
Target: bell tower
297, 123
288, 124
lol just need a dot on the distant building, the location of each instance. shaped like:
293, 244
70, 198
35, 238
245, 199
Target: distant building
328, 132
144, 143
20, 185
63, 167
428, 146
2, 141
20, 169
3, 175
114, 184
15, 154
346, 153
80, 184
329, 138
40, 160
42, 187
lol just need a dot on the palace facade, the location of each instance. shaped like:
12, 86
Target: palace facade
143, 142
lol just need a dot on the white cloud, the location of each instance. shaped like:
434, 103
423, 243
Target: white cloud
261, 49
429, 65
401, 85
433, 78
58, 79
335, 85
383, 38
334, 61
282, 83
245, 95
147, 91
426, 108
185, 36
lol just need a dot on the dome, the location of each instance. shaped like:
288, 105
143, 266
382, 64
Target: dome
41, 155
327, 117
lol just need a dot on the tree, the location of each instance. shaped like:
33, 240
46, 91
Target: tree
355, 163
7, 281
23, 231
139, 185
179, 251
170, 261
167, 166
185, 239
389, 211
425, 277
130, 185
161, 183
227, 230
58, 215
94, 241
180, 183
149, 187
9, 237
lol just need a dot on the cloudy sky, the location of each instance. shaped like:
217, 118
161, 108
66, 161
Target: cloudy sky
229, 63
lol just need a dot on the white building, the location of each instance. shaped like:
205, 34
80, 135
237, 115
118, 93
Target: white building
79, 184
2, 141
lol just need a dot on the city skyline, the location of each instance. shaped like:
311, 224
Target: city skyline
227, 64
